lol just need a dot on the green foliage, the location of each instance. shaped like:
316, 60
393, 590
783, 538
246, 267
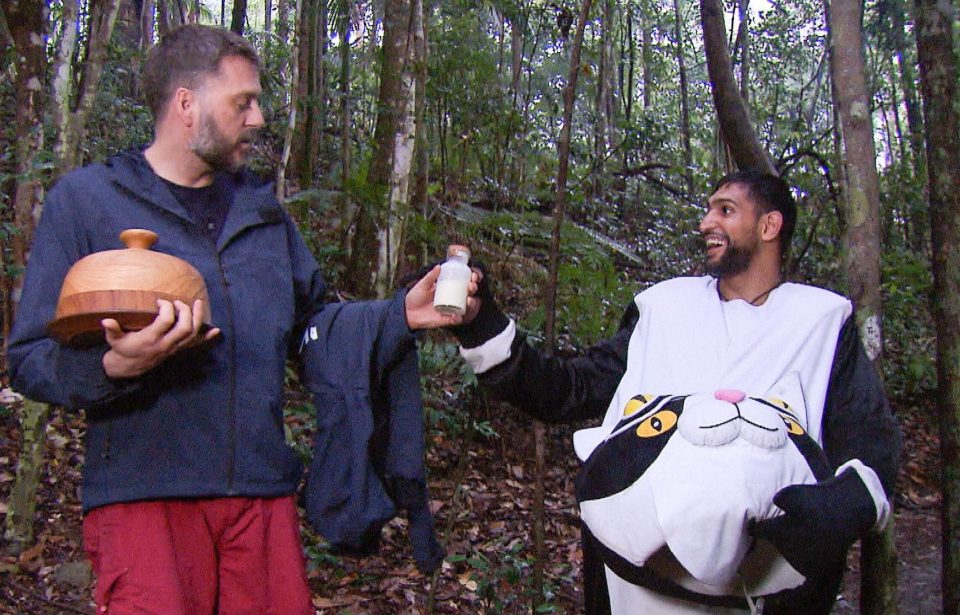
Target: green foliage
298, 428
448, 385
319, 555
591, 292
503, 584
909, 364
311, 209
119, 119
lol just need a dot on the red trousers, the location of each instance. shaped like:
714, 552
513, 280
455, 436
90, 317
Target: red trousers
224, 556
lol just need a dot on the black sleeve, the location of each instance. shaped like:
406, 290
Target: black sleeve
857, 421
560, 390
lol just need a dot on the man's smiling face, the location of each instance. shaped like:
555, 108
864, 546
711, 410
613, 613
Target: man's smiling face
731, 230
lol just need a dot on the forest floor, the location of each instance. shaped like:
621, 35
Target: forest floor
482, 490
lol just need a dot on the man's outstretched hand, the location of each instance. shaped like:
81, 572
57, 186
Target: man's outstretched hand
133, 353
419, 303
819, 522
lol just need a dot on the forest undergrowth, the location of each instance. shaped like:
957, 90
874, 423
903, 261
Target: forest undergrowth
481, 480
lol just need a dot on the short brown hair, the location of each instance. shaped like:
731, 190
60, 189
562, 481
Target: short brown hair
184, 57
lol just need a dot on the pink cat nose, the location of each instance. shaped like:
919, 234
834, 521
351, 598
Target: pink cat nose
729, 395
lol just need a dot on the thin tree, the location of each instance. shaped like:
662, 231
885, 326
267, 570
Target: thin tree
734, 119
304, 146
603, 102
27, 20
862, 255
147, 31
684, 97
918, 231
73, 103
743, 44
421, 173
164, 18
938, 79
281, 183
239, 16
550, 306
6, 39
646, 57
380, 224
347, 209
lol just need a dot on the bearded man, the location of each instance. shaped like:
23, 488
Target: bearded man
721, 349
188, 482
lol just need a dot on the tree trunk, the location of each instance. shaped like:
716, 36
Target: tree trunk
6, 39
126, 30
743, 36
907, 81
550, 305
281, 183
73, 122
603, 103
370, 267
302, 148
878, 562
519, 22
319, 132
684, 99
268, 16
283, 20
347, 209
919, 222
938, 79
646, 55
27, 21
18, 531
147, 33
735, 127
421, 174
63, 84
392, 234
895, 107
163, 17
516, 57
239, 16
627, 65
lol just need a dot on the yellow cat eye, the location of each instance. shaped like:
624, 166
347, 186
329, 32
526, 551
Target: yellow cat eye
780, 403
792, 425
661, 422
636, 404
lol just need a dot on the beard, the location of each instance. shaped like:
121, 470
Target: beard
736, 259
214, 148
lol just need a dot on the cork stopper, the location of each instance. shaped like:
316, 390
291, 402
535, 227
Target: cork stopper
456, 249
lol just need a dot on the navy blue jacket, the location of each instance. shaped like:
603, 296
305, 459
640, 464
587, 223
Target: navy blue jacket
205, 422
360, 363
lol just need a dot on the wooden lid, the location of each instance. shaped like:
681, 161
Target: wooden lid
124, 285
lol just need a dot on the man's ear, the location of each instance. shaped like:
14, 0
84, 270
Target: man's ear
770, 225
185, 106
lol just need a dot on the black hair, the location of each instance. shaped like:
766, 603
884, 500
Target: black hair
770, 193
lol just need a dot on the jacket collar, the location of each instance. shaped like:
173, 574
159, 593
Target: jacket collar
253, 201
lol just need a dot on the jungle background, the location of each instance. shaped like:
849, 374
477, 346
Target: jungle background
571, 146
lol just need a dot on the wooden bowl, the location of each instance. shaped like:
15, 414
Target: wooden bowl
123, 285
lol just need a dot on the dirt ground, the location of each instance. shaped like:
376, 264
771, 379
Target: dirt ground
482, 490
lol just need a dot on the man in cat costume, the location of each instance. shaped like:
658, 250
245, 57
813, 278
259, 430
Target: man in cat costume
778, 366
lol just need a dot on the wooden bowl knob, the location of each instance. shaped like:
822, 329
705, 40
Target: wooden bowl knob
138, 238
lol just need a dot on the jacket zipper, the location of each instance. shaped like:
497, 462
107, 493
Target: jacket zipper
232, 423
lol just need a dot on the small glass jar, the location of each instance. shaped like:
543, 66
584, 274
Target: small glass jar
451, 294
